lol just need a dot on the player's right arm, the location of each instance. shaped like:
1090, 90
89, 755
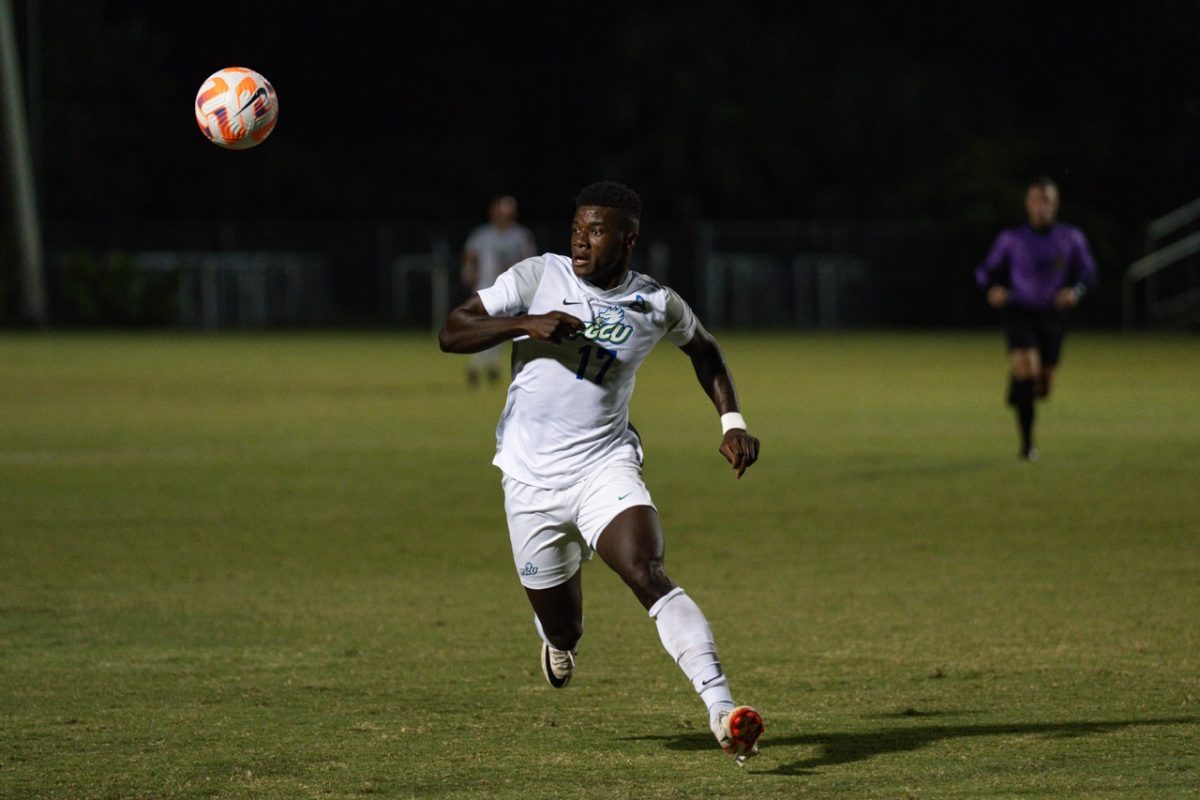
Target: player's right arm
470, 328
992, 274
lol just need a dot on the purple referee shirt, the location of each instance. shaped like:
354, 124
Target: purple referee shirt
1034, 266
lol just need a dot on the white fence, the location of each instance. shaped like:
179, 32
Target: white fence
782, 274
244, 289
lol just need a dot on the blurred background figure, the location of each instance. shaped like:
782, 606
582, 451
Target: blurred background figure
1034, 274
490, 249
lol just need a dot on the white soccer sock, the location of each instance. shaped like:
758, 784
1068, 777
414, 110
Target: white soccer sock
687, 637
537, 623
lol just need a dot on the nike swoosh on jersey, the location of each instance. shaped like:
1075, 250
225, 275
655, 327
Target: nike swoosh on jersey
567, 302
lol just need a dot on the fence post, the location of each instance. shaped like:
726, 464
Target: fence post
714, 289
1128, 297
827, 293
210, 297
660, 258
384, 235
440, 283
26, 225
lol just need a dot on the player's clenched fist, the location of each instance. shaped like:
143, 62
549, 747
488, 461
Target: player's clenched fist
554, 326
740, 450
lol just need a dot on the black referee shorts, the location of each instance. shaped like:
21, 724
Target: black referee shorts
1025, 328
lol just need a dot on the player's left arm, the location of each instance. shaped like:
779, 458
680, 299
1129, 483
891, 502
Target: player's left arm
737, 445
1082, 275
470, 269
470, 261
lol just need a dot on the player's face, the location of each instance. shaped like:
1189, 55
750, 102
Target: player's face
1041, 206
600, 245
504, 211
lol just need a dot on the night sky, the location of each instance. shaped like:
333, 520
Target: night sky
936, 111
712, 109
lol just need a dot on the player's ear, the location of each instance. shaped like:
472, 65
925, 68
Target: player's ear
630, 239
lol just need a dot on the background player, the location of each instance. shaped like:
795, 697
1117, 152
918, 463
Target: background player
571, 461
490, 249
1035, 273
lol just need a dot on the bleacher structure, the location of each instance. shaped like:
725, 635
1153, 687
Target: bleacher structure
1162, 289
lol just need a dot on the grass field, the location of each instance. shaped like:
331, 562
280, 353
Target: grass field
276, 567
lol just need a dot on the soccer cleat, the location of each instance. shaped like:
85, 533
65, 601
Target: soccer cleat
738, 733
558, 665
1029, 454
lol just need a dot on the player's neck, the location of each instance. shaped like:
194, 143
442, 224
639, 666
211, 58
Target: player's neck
611, 283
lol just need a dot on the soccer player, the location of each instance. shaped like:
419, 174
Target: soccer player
490, 249
571, 460
1035, 273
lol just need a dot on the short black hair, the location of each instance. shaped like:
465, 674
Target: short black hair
1044, 182
610, 194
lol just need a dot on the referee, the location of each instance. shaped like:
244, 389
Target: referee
1034, 274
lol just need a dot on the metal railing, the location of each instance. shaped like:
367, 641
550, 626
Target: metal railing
1164, 285
403, 272
249, 289
737, 274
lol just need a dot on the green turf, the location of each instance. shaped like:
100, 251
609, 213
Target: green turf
276, 567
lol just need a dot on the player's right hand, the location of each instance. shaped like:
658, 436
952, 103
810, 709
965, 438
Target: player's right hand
997, 296
740, 450
555, 326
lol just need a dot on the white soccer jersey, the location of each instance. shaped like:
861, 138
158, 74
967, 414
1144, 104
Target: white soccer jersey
568, 405
497, 249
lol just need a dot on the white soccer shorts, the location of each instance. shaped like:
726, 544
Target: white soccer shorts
553, 531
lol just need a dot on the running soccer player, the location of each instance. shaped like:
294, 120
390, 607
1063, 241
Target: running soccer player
1035, 273
571, 461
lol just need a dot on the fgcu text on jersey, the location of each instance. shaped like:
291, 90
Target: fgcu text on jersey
608, 326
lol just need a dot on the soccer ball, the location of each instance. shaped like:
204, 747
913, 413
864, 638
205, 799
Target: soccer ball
236, 108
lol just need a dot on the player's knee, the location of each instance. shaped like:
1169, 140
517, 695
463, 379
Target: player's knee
648, 579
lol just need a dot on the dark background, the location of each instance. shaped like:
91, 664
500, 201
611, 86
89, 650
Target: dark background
935, 114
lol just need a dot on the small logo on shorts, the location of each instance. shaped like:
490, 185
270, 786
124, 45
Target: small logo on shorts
529, 569
622, 497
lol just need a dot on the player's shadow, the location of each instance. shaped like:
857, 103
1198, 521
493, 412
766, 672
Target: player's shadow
844, 748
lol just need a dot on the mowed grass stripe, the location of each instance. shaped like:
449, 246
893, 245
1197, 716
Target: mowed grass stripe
276, 566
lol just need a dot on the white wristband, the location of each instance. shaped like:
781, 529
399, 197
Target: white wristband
730, 421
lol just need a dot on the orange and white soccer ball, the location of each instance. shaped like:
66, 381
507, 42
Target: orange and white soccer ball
236, 108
